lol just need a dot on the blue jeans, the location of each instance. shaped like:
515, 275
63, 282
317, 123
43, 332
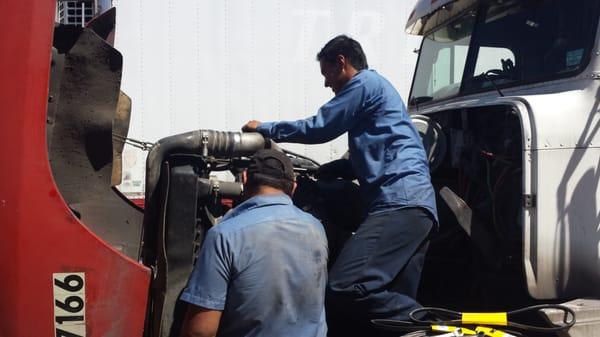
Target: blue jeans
378, 271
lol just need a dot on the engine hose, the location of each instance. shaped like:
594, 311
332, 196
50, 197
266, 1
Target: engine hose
449, 317
217, 188
204, 142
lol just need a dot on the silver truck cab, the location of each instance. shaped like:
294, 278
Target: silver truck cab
506, 96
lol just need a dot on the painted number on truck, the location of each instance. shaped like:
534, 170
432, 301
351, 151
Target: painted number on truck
69, 304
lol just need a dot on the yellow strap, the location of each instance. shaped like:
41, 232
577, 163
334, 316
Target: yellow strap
491, 332
491, 318
449, 328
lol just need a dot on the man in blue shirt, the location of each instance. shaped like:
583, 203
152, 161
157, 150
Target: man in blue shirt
377, 272
263, 270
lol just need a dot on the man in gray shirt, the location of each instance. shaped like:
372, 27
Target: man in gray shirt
262, 271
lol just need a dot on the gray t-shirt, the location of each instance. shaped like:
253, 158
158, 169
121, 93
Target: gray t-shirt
265, 267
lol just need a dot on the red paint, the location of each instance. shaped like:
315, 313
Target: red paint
140, 202
227, 202
39, 236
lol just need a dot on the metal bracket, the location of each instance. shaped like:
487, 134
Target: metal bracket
215, 190
529, 200
595, 75
204, 142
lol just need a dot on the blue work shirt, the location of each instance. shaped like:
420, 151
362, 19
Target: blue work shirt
265, 267
386, 150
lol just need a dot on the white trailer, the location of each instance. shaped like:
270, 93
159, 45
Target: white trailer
216, 64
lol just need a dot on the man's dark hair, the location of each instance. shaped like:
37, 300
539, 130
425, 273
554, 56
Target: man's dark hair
271, 168
344, 45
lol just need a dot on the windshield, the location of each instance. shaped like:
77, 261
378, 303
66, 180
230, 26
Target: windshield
505, 43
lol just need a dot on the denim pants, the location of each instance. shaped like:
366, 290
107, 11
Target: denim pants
378, 271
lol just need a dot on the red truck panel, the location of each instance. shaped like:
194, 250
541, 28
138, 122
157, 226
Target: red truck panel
39, 235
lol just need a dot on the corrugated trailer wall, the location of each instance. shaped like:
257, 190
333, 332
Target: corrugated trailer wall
216, 64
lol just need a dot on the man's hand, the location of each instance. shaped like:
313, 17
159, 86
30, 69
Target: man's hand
251, 126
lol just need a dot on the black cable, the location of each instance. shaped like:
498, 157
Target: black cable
567, 312
301, 156
410, 329
456, 317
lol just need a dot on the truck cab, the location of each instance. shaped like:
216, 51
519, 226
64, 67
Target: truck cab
505, 95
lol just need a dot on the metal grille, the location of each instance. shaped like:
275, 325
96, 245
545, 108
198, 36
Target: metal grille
75, 12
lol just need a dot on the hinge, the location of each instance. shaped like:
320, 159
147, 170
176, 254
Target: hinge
595, 75
529, 200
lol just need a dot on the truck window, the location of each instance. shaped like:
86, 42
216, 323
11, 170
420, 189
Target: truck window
509, 43
443, 55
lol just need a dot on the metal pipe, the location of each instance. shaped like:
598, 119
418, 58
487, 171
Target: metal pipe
218, 188
83, 14
205, 142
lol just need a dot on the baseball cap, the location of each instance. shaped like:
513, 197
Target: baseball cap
270, 164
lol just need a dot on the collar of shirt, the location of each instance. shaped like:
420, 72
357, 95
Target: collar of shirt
355, 78
259, 201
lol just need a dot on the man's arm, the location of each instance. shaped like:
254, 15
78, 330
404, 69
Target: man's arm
206, 291
200, 322
334, 118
